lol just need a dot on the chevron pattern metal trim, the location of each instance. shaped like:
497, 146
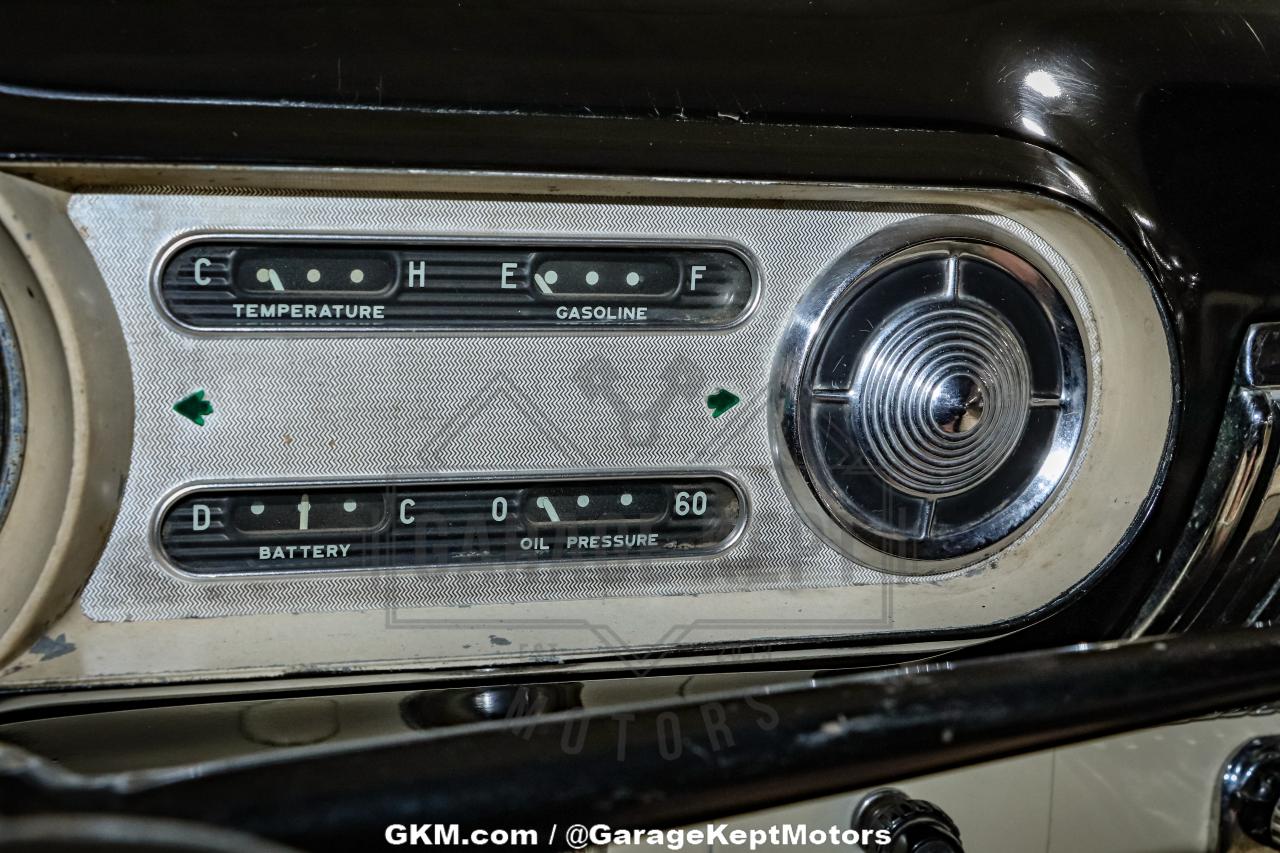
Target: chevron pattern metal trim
299, 407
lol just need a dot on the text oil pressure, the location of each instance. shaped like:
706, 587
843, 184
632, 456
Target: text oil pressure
411, 525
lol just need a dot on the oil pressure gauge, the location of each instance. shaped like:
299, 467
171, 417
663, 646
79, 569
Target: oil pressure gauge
236, 530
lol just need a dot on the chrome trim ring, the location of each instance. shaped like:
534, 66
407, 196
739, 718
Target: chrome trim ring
936, 405
13, 402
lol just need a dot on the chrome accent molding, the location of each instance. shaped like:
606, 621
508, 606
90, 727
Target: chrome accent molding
1223, 571
13, 408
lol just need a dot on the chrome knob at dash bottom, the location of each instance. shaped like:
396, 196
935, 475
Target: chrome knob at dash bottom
1249, 798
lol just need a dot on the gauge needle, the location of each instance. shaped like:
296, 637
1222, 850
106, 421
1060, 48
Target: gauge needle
542, 285
544, 503
275, 280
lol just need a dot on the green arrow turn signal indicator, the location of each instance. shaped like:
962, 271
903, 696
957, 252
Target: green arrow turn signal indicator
722, 401
194, 407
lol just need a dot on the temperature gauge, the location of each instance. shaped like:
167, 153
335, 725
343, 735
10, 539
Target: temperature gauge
326, 285
272, 272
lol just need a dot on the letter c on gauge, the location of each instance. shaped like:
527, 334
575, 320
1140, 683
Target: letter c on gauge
405, 506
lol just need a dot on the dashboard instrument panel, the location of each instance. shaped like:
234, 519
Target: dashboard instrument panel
478, 399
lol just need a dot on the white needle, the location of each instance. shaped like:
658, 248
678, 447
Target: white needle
544, 503
275, 280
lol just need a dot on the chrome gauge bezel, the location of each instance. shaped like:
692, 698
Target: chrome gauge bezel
13, 402
795, 454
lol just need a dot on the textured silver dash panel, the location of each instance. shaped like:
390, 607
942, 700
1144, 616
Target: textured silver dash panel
323, 407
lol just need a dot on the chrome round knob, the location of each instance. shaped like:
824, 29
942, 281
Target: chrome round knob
937, 406
914, 387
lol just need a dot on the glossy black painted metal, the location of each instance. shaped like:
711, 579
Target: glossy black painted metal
670, 764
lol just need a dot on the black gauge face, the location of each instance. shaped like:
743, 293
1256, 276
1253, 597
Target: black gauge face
226, 284
408, 525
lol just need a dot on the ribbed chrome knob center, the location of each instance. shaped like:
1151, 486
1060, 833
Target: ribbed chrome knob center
956, 404
941, 397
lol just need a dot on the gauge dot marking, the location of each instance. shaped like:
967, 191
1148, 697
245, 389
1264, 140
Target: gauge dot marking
625, 500
349, 506
633, 278
257, 508
313, 276
583, 500
593, 278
